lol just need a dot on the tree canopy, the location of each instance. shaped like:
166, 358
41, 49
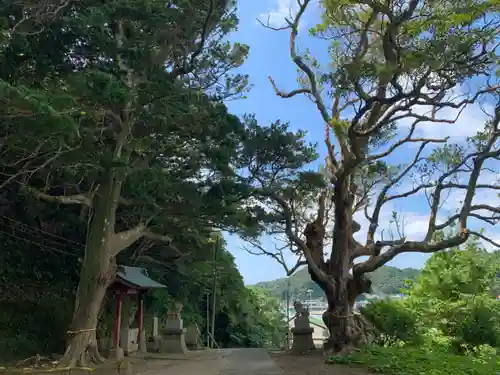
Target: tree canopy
392, 66
117, 147
116, 113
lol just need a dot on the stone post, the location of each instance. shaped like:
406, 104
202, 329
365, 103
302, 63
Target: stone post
155, 326
154, 342
193, 337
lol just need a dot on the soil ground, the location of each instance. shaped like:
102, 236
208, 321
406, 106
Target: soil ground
224, 362
312, 364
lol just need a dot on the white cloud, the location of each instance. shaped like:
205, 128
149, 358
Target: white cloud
467, 121
470, 121
280, 10
412, 225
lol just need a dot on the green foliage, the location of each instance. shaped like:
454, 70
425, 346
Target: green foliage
449, 311
451, 274
394, 321
424, 40
263, 324
115, 94
411, 361
453, 295
41, 287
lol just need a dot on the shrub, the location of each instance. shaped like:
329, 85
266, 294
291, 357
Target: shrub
469, 322
479, 324
410, 361
393, 321
434, 340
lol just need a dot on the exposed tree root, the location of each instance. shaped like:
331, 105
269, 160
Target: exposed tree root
347, 333
82, 351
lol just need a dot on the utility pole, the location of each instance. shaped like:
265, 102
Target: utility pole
207, 295
214, 286
288, 314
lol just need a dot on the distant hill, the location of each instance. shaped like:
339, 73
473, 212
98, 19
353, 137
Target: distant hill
385, 280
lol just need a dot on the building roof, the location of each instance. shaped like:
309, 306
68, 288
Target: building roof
137, 278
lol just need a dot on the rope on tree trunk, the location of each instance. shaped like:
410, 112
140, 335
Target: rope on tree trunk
80, 331
342, 316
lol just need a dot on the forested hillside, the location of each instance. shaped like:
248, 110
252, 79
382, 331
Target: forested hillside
385, 280
39, 263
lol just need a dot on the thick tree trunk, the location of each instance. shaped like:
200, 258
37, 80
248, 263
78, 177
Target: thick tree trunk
98, 269
82, 346
347, 330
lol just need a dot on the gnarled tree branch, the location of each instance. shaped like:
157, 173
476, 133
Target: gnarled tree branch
487, 151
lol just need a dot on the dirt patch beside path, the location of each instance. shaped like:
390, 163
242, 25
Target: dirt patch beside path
312, 364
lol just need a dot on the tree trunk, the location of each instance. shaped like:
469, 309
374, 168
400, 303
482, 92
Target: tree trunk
347, 330
98, 270
82, 346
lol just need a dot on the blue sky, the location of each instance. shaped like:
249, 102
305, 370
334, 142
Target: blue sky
269, 57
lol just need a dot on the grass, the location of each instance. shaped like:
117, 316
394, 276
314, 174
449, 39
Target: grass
412, 361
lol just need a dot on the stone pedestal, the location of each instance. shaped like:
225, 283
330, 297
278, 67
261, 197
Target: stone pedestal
193, 337
172, 336
302, 332
174, 323
302, 339
173, 341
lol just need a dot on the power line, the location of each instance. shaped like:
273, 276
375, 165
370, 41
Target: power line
38, 244
39, 237
40, 230
27, 229
186, 277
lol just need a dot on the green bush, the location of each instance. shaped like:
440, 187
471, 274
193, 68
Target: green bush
434, 340
411, 361
393, 320
479, 324
468, 322
28, 328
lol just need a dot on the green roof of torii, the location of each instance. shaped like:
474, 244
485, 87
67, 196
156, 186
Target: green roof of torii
138, 277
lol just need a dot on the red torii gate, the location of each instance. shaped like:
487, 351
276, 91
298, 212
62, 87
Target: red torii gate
134, 282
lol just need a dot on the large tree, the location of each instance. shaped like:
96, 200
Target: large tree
393, 65
117, 110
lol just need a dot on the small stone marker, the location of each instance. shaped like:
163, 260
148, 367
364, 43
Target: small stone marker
155, 326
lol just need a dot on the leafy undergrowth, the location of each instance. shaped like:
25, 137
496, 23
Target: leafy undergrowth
410, 361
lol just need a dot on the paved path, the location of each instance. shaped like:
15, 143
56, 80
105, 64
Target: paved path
249, 362
212, 362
